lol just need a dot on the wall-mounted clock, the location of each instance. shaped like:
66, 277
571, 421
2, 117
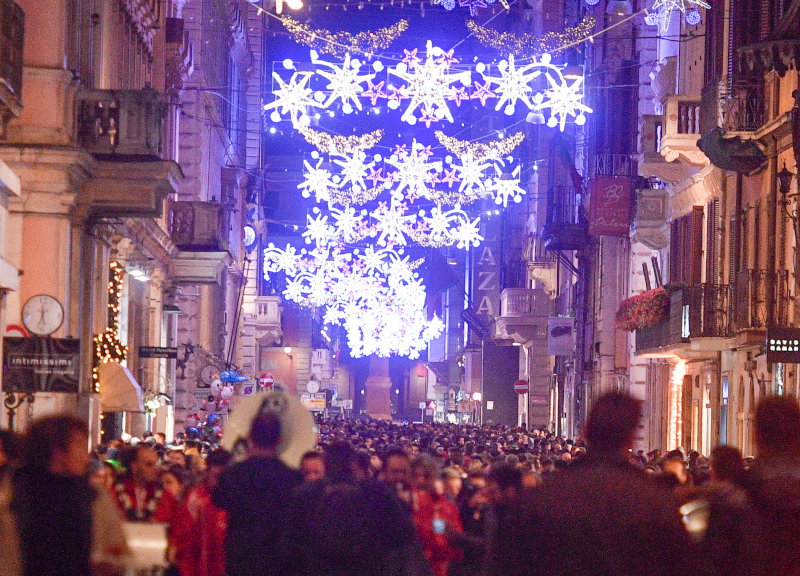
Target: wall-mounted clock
207, 374
42, 315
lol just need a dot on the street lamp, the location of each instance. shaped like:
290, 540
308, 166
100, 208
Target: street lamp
785, 181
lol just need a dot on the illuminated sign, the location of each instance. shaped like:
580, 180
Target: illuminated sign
783, 345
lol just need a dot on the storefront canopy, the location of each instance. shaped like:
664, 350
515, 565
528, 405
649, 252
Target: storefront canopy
119, 390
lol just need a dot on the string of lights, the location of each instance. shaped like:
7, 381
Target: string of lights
340, 43
531, 45
107, 346
479, 150
327, 143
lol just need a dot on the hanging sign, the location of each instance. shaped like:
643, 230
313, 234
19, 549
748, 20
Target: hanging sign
610, 206
158, 352
41, 364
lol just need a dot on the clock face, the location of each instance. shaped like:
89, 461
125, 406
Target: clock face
42, 315
207, 374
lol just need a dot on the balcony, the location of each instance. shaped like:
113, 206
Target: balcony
121, 125
762, 301
566, 227
12, 28
614, 165
196, 226
523, 314
651, 162
650, 221
697, 326
542, 265
682, 131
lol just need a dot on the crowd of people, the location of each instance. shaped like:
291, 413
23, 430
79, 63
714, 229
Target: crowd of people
377, 497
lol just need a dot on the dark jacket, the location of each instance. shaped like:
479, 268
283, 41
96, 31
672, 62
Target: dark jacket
599, 517
350, 528
54, 518
255, 493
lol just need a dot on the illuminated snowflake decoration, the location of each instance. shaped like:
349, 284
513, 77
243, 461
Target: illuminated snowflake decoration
429, 85
665, 9
506, 187
564, 99
512, 85
317, 182
344, 82
412, 174
354, 170
293, 97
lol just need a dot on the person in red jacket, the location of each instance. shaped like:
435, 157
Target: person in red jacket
435, 517
202, 550
141, 497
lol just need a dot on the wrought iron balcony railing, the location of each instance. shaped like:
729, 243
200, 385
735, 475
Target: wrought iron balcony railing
196, 226
762, 299
614, 165
127, 123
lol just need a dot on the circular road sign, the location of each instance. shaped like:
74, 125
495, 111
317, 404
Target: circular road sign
521, 387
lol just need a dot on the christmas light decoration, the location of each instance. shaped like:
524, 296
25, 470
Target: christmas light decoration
473, 5
531, 45
340, 144
107, 346
344, 82
502, 147
693, 18
341, 43
512, 85
293, 97
506, 187
562, 98
429, 85
665, 9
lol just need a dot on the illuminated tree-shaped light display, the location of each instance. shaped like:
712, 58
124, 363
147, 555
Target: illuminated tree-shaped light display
373, 206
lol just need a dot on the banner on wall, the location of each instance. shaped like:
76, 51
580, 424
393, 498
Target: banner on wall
560, 336
610, 206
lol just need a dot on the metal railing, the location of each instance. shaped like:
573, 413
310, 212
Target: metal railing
12, 29
709, 310
515, 302
121, 122
762, 299
614, 165
743, 110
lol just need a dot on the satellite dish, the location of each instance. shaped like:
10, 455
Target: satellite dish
297, 424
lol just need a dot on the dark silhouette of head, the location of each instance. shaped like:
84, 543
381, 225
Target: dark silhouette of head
265, 432
612, 421
778, 425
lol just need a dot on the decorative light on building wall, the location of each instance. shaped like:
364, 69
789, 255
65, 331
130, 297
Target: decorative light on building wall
665, 9
107, 346
693, 17
676, 404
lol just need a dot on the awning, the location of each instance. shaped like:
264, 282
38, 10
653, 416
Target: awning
119, 390
732, 153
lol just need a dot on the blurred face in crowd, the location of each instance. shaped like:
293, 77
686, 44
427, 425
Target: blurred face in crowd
103, 478
172, 484
312, 469
176, 457
74, 459
397, 470
422, 479
676, 468
452, 486
145, 468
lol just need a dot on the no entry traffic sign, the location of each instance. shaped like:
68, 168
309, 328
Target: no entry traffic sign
266, 380
521, 387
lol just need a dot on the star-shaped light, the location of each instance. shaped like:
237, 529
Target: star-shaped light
347, 224
375, 176
392, 224
317, 230
459, 95
410, 59
427, 117
293, 97
317, 182
467, 233
450, 178
563, 99
447, 59
343, 82
412, 171
483, 92
428, 85
354, 170
512, 85
506, 187
374, 92
471, 173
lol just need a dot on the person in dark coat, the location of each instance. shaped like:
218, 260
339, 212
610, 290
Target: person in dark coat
255, 493
773, 487
343, 525
599, 517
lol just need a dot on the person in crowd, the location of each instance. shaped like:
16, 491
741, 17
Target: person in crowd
312, 466
773, 487
435, 518
160, 438
103, 475
726, 465
173, 478
202, 552
349, 526
396, 472
53, 522
140, 495
9, 451
599, 516
176, 457
254, 493
453, 480
503, 485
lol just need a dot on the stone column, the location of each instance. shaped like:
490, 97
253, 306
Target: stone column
379, 389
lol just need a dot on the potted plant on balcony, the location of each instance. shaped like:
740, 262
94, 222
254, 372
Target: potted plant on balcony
643, 310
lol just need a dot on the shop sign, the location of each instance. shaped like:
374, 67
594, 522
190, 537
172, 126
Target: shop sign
783, 345
158, 352
560, 336
610, 206
41, 364
313, 402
